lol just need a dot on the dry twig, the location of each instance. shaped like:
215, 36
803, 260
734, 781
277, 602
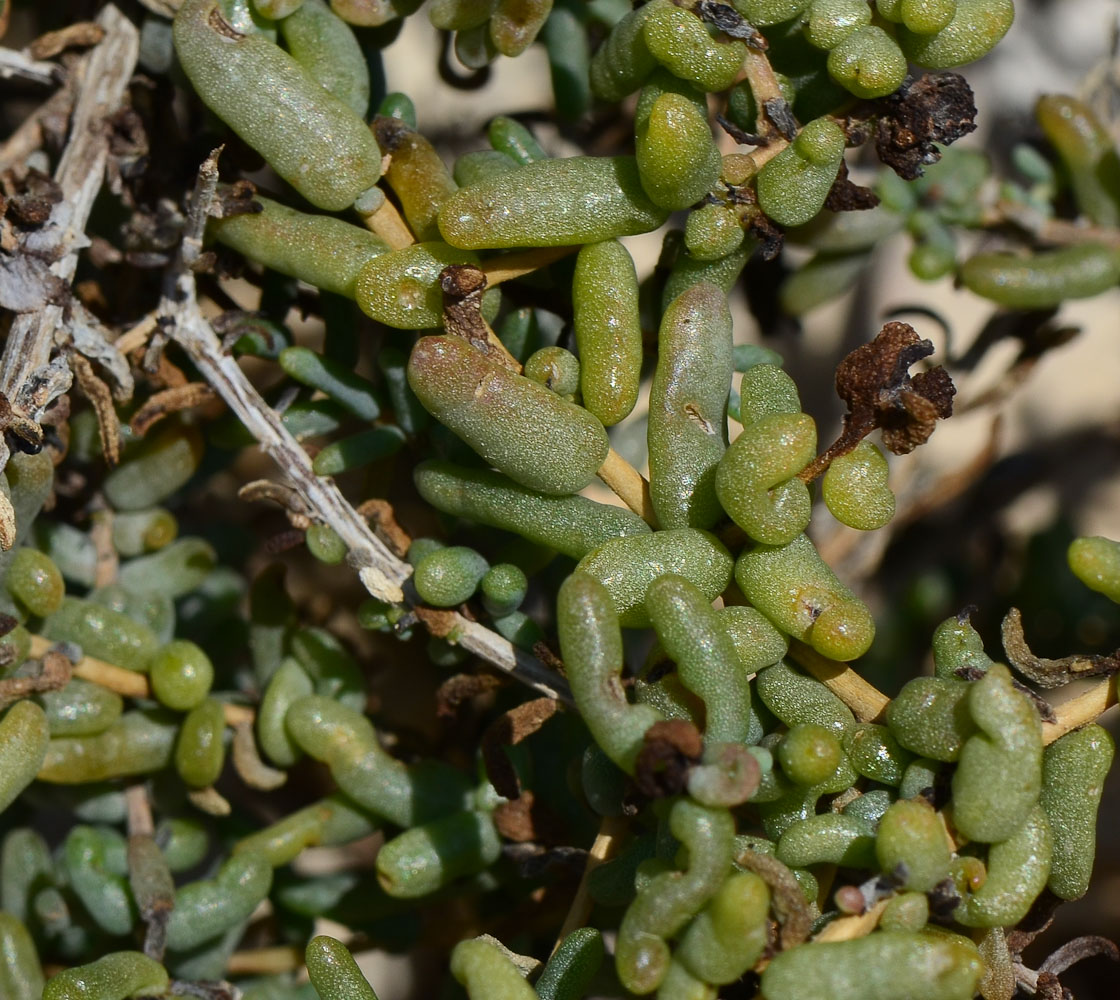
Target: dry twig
629, 485
381, 571
26, 377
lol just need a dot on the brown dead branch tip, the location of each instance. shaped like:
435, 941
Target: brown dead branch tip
730, 22
30, 198
53, 674
81, 35
463, 286
527, 819
1051, 673
847, 196
875, 382
97, 392
438, 622
935, 109
1077, 950
235, 199
163, 404
508, 730
669, 752
380, 515
461, 687
789, 901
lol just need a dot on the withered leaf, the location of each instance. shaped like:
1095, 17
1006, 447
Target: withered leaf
935, 108
847, 196
875, 381
730, 22
463, 286
1077, 950
788, 899
461, 687
528, 819
509, 729
669, 751
1048, 673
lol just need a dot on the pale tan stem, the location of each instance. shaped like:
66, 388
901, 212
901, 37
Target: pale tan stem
611, 831
517, 265
385, 221
865, 700
855, 926
127, 683
136, 336
140, 822
1082, 710
505, 357
629, 485
764, 85
265, 961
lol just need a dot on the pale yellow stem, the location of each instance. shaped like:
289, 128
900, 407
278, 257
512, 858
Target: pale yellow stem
386, 222
1082, 710
628, 484
127, 683
517, 265
855, 926
611, 831
865, 700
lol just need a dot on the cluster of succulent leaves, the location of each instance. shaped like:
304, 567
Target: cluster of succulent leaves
751, 808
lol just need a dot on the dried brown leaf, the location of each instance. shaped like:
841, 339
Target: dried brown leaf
669, 752
527, 819
509, 729
97, 392
874, 381
380, 514
463, 286
80, 35
730, 22
459, 688
847, 196
788, 899
169, 401
935, 109
1048, 673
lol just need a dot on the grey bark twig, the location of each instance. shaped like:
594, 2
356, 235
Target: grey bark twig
380, 570
26, 376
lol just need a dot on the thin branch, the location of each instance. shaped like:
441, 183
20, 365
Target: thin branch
1057, 232
855, 926
380, 217
612, 829
136, 336
381, 571
265, 961
17, 65
28, 135
517, 265
865, 700
1080, 711
629, 485
127, 683
105, 73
